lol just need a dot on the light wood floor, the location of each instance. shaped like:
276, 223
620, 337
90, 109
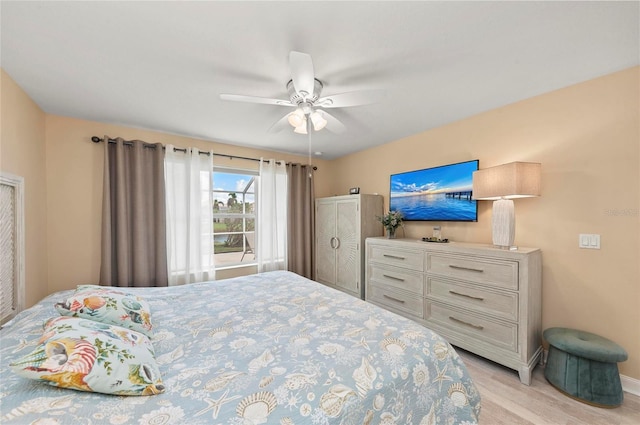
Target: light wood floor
506, 401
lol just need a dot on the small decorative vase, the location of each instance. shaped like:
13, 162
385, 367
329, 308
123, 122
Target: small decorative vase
391, 233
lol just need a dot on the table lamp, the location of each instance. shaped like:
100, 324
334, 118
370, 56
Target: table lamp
502, 184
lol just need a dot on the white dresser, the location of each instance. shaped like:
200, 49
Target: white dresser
480, 298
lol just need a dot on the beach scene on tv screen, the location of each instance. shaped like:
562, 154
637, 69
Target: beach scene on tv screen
435, 194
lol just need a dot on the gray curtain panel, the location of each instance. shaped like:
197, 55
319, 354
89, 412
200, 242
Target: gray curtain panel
133, 215
301, 213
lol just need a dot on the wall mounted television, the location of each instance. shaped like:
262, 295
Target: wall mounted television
435, 194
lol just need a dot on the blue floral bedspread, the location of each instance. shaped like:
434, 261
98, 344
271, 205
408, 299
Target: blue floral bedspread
270, 348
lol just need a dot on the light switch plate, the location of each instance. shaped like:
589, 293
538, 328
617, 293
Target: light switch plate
589, 241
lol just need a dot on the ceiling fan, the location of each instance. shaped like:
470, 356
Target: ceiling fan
304, 94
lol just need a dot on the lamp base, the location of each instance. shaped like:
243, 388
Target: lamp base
503, 223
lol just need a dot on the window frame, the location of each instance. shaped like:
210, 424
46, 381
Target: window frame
244, 216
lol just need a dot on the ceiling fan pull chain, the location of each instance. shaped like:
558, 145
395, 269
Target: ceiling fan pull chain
309, 145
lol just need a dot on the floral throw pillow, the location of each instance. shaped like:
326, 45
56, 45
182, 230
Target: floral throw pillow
108, 305
92, 356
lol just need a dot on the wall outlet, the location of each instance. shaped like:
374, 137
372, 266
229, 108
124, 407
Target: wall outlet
589, 241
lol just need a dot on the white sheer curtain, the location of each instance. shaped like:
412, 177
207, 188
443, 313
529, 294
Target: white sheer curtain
271, 228
188, 178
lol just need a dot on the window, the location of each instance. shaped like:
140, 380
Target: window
234, 220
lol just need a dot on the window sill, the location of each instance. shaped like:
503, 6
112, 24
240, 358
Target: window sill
236, 266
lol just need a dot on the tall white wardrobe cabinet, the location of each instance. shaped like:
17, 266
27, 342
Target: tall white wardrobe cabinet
342, 225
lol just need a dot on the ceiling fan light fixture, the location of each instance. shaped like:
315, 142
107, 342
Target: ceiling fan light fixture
296, 118
318, 121
302, 128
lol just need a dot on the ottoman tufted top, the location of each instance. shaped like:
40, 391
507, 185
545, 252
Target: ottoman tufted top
585, 344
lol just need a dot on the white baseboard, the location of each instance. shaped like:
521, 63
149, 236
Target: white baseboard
630, 385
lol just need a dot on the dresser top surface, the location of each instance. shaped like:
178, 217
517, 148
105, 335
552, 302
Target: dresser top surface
452, 246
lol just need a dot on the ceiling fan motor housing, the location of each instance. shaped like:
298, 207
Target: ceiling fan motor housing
296, 98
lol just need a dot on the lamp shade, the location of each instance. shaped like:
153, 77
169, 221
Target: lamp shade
318, 121
507, 181
302, 128
296, 118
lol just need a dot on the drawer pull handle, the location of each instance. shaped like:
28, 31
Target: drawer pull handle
466, 323
467, 296
466, 268
393, 278
395, 257
394, 299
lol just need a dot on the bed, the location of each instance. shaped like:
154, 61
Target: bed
270, 348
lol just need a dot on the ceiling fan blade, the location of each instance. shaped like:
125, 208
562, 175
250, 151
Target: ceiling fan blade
301, 67
254, 99
333, 124
280, 125
355, 98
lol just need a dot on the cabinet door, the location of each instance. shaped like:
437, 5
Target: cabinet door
325, 232
347, 232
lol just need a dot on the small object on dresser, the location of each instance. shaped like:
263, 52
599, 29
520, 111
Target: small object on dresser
354, 191
436, 233
435, 240
391, 221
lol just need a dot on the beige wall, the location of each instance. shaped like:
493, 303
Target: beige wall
587, 138
22, 153
74, 195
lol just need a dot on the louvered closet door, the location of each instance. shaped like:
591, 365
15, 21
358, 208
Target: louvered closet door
347, 231
325, 232
11, 245
7, 251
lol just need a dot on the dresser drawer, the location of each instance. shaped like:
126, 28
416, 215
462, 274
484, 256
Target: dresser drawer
402, 301
503, 304
412, 259
396, 277
504, 335
502, 274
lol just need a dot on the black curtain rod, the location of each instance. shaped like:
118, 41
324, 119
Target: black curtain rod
96, 139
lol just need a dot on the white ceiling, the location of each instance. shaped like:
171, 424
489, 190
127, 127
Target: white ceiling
162, 65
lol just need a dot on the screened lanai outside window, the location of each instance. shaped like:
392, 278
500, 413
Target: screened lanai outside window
234, 220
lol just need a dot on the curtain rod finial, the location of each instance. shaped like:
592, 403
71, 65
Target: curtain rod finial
96, 139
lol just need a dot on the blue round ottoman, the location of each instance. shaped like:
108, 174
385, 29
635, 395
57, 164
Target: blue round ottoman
584, 366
